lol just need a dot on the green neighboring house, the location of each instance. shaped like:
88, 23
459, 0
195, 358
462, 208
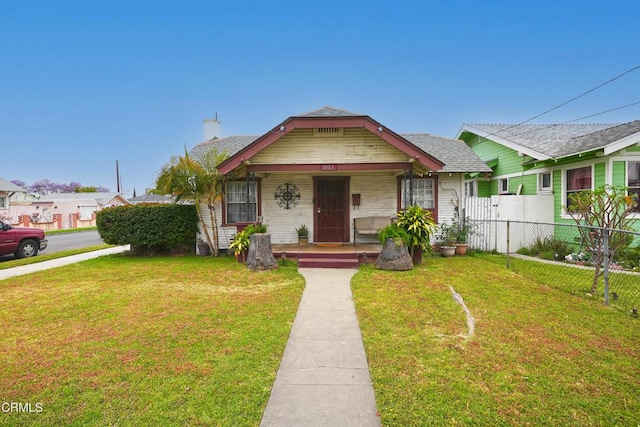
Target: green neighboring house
553, 159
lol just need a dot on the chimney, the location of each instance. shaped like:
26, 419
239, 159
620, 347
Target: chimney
211, 128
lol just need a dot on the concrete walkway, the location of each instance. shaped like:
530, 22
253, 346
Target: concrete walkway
323, 378
53, 263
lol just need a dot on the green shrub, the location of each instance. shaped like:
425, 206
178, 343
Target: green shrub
150, 229
547, 248
394, 232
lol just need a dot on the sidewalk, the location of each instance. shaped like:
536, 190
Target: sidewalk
323, 378
53, 263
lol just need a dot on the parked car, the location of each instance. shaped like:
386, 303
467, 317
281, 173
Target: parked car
21, 241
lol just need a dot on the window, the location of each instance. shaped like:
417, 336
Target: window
633, 182
578, 180
470, 189
3, 202
423, 193
503, 185
237, 208
544, 182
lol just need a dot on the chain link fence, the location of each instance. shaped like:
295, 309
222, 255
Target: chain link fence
568, 257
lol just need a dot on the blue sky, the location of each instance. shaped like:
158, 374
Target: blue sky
83, 84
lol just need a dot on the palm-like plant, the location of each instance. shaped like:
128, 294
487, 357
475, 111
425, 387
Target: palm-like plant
196, 180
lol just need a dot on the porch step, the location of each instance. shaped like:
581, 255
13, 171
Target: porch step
328, 260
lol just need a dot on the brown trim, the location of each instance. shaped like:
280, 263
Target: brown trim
365, 122
329, 167
434, 211
347, 205
223, 220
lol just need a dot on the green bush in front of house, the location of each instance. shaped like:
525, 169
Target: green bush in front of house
150, 229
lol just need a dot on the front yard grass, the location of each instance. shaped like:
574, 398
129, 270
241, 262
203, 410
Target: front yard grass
144, 341
539, 356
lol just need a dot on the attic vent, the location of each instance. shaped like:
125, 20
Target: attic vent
328, 132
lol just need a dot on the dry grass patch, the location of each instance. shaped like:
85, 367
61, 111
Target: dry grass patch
158, 341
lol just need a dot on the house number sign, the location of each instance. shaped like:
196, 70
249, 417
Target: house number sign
328, 167
287, 196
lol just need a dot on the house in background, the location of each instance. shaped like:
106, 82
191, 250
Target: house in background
77, 210
553, 161
328, 166
14, 201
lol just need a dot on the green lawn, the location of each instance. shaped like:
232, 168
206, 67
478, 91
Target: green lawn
45, 256
155, 341
539, 356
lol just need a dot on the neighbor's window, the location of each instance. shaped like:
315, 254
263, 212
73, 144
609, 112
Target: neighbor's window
3, 202
470, 188
423, 192
578, 180
544, 182
633, 182
237, 208
503, 185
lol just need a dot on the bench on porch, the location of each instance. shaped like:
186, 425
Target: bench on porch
369, 225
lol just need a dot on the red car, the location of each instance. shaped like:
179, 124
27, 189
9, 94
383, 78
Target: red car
20, 241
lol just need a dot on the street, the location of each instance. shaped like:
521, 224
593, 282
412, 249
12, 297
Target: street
66, 241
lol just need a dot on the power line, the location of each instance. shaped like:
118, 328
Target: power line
567, 102
568, 121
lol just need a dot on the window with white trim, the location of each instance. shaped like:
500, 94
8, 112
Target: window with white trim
241, 205
633, 183
503, 185
545, 182
577, 180
423, 192
3, 202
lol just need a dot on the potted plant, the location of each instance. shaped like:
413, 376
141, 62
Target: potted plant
303, 235
394, 255
240, 241
448, 236
419, 225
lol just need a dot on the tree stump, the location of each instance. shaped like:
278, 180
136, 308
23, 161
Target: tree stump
260, 256
394, 256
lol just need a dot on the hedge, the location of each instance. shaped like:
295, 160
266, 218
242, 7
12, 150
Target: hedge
150, 229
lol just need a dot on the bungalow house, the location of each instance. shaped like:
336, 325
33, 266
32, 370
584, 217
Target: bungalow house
554, 160
329, 166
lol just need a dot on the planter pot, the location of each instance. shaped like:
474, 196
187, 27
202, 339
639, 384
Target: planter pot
242, 257
204, 250
461, 248
447, 251
417, 257
303, 241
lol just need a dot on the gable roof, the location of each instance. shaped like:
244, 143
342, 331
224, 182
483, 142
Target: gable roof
553, 141
452, 155
10, 187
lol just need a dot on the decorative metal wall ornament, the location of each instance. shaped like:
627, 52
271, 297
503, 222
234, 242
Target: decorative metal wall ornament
287, 195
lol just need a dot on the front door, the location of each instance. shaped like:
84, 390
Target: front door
331, 195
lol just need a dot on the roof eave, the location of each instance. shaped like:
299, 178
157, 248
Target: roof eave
622, 143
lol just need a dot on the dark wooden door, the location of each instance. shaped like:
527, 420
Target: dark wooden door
331, 209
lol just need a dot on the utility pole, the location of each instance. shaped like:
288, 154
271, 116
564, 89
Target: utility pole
117, 176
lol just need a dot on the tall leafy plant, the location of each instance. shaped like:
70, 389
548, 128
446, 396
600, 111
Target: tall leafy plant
196, 180
419, 225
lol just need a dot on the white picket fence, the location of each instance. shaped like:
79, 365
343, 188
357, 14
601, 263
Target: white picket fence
488, 214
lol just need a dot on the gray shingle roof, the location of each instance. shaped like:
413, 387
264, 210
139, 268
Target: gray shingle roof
152, 198
230, 144
9, 186
455, 154
556, 141
101, 198
328, 111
